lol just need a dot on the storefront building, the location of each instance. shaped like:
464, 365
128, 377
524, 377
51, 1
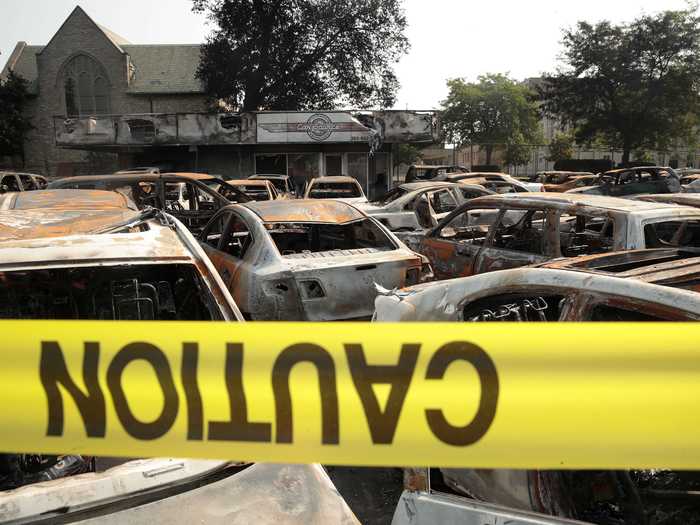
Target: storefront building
302, 145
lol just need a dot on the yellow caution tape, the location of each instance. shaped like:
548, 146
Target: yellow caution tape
489, 395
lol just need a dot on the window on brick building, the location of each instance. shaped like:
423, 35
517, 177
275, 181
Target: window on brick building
86, 87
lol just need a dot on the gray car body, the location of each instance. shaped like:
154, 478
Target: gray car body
268, 285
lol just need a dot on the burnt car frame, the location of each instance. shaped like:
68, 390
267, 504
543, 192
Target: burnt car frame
643, 285
633, 181
338, 187
496, 182
192, 198
11, 181
507, 231
399, 209
256, 189
313, 260
282, 183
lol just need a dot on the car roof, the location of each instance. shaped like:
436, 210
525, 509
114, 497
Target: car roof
46, 223
49, 246
305, 210
636, 168
568, 201
265, 176
128, 177
334, 178
65, 199
685, 199
425, 298
413, 186
187, 175
248, 182
658, 265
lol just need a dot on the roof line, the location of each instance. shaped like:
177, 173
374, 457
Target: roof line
79, 9
13, 59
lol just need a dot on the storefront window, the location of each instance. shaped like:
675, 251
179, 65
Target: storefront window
379, 175
275, 164
302, 168
357, 168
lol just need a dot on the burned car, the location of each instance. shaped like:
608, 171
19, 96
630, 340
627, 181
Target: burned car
99, 262
315, 260
633, 181
193, 198
682, 199
645, 285
339, 187
428, 172
256, 189
561, 181
507, 231
135, 266
282, 183
182, 492
13, 181
416, 206
495, 182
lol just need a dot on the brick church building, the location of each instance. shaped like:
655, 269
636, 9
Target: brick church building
86, 69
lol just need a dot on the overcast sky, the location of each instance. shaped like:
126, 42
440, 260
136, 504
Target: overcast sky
450, 38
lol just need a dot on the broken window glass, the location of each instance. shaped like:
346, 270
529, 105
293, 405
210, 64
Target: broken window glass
585, 235
28, 182
292, 239
442, 201
328, 190
149, 292
526, 235
9, 183
470, 227
672, 233
237, 239
515, 308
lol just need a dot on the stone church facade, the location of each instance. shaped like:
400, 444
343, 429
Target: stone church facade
87, 70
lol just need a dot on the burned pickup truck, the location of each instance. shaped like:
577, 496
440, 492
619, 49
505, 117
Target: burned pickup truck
507, 231
644, 285
315, 260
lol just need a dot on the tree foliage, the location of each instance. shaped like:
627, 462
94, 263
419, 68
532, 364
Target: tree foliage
631, 84
14, 96
302, 54
561, 147
517, 153
494, 110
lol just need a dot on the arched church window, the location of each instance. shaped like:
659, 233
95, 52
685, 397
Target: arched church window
86, 87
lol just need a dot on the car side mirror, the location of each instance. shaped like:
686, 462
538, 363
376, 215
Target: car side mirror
4, 188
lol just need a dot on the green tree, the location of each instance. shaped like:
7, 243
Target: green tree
630, 84
14, 125
494, 110
517, 153
302, 54
561, 147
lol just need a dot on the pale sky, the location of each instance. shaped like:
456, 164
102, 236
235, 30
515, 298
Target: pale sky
450, 38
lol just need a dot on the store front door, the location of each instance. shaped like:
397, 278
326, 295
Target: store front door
334, 165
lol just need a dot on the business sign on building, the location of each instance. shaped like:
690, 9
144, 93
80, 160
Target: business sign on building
310, 127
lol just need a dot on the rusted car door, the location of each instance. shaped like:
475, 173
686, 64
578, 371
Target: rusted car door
226, 241
453, 248
514, 244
